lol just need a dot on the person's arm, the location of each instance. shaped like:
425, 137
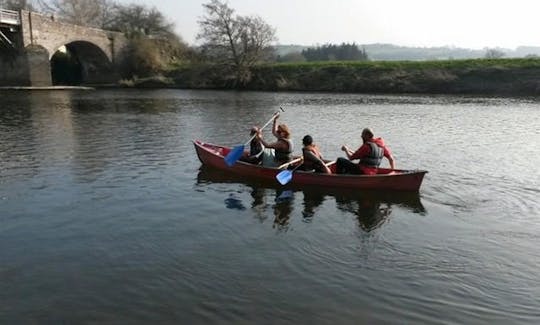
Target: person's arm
275, 145
324, 166
264, 143
347, 151
275, 126
358, 154
391, 161
310, 156
388, 155
327, 169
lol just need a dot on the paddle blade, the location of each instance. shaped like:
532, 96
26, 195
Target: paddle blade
285, 196
232, 157
284, 177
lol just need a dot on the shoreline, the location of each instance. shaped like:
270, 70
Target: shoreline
501, 77
47, 88
390, 93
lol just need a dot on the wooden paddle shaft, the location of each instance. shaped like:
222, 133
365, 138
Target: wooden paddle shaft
290, 162
265, 125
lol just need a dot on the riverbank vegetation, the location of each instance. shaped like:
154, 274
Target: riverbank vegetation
236, 52
479, 76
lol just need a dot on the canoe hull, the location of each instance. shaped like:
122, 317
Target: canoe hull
398, 180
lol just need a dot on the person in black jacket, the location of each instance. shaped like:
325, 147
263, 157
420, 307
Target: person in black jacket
255, 148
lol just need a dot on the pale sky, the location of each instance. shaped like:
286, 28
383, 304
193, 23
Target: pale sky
474, 24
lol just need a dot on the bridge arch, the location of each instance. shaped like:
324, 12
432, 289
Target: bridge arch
80, 62
84, 42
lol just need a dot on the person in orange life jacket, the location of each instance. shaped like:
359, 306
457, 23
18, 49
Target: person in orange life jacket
255, 148
370, 154
312, 157
283, 147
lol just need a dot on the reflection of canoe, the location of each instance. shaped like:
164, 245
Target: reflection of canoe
408, 199
386, 179
370, 207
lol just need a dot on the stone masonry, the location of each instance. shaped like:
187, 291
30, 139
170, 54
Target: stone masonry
39, 36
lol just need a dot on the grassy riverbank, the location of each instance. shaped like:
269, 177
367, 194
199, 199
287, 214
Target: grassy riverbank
478, 76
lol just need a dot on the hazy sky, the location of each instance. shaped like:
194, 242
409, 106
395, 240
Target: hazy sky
462, 23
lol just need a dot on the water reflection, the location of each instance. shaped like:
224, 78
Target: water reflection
33, 133
259, 204
283, 208
313, 198
85, 132
370, 208
371, 212
232, 202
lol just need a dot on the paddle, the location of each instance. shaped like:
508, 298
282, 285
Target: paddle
285, 176
232, 157
290, 162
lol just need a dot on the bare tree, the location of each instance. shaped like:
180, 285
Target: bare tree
138, 20
153, 45
132, 19
78, 12
240, 41
16, 4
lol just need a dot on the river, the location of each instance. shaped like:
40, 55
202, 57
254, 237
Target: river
106, 215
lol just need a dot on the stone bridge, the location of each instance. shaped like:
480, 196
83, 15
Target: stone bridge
29, 41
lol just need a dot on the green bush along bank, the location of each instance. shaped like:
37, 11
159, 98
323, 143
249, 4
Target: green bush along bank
477, 76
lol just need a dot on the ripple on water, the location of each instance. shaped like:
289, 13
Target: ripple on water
103, 207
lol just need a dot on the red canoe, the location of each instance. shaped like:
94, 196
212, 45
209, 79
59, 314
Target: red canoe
386, 179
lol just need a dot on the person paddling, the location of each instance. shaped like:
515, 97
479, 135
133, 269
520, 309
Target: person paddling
313, 159
283, 146
370, 154
255, 148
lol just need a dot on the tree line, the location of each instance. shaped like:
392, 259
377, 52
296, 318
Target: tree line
332, 52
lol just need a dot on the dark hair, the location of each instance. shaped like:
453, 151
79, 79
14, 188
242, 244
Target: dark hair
307, 140
367, 132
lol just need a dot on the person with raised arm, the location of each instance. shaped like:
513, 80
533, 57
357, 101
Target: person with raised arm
283, 146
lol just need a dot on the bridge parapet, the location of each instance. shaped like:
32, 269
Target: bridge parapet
46, 31
9, 17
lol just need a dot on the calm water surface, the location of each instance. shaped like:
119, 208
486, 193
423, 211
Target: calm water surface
106, 215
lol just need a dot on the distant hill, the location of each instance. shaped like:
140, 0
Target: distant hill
389, 52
